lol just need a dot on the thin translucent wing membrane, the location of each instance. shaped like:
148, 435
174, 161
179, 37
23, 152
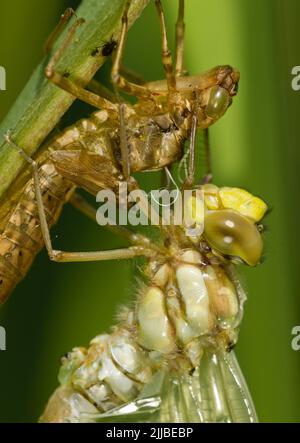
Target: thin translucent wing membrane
215, 393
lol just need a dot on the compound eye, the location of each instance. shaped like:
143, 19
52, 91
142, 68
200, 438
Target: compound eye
218, 102
230, 233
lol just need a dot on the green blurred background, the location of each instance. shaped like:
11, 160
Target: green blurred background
255, 146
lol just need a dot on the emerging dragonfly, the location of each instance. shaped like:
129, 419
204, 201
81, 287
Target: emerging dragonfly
166, 114
170, 358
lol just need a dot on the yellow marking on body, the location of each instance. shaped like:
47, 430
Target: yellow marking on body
243, 202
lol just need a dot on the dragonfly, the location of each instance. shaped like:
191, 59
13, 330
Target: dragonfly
170, 357
166, 114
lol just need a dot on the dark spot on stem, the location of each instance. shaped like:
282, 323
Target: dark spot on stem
109, 47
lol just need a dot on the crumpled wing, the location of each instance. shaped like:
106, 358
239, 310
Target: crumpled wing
215, 393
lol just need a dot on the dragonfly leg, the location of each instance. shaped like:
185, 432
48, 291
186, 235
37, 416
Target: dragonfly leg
166, 53
208, 176
117, 79
123, 143
119, 82
99, 89
79, 92
82, 205
64, 20
62, 80
180, 28
63, 256
113, 254
191, 166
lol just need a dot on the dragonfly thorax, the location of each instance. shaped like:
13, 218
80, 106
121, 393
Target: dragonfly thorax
188, 305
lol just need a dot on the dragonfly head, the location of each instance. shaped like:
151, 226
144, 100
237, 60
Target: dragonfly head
231, 223
218, 97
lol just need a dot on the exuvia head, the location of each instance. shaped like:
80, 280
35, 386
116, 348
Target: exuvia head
217, 97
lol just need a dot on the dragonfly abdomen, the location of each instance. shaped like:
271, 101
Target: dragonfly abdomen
110, 372
22, 238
